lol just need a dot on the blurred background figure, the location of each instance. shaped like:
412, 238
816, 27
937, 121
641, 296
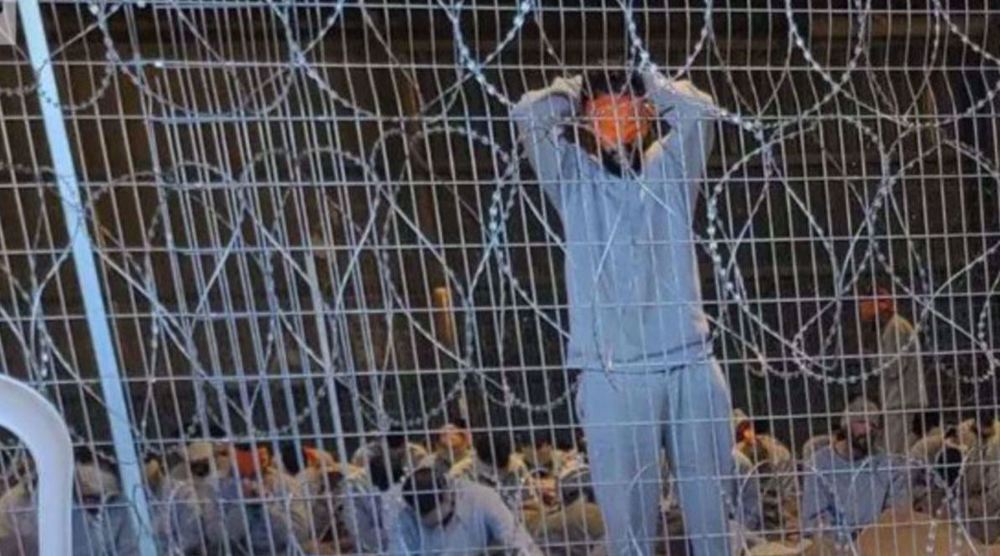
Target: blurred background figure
774, 477
102, 520
980, 477
453, 443
373, 495
493, 463
264, 509
573, 526
323, 486
189, 508
409, 454
102, 524
902, 383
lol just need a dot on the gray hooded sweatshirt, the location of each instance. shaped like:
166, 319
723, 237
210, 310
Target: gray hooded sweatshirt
631, 272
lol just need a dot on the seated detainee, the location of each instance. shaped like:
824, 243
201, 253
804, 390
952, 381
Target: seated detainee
544, 458
411, 454
847, 485
935, 492
493, 463
575, 527
774, 477
188, 513
101, 521
980, 487
264, 511
439, 515
454, 442
927, 449
758, 447
371, 496
967, 436
323, 483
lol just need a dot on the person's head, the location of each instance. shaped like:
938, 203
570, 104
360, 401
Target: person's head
494, 448
317, 458
202, 457
96, 482
385, 468
860, 426
396, 439
427, 493
575, 483
333, 480
985, 421
454, 436
948, 464
876, 307
618, 116
292, 459
540, 452
743, 428
251, 459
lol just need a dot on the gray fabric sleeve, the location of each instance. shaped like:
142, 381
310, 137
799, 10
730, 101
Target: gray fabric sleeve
401, 534
504, 529
539, 117
817, 503
683, 152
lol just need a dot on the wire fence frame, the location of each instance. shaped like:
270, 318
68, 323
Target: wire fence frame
277, 193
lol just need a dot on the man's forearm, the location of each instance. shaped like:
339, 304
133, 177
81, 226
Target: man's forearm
677, 100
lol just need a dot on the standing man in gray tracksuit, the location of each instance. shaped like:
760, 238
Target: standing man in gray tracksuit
626, 196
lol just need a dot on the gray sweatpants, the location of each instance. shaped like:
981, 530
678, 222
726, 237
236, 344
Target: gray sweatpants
627, 418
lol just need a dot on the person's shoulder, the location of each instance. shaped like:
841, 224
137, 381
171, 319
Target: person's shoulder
743, 463
462, 484
463, 468
476, 493
899, 324
823, 457
516, 462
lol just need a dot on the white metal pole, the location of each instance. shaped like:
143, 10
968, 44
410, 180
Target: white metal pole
129, 466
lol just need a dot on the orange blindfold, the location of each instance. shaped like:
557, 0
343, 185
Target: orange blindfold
619, 119
247, 461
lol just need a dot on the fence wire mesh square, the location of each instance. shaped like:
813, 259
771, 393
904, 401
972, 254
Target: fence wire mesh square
353, 312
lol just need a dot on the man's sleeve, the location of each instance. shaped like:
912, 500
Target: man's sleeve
899, 347
400, 533
817, 504
361, 518
126, 539
682, 154
288, 507
539, 118
505, 531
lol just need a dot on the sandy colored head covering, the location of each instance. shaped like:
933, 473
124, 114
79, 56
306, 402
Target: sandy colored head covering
201, 450
739, 417
320, 458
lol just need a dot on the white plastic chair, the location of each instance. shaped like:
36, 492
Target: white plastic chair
36, 422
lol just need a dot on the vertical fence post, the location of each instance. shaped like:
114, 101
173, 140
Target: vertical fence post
316, 295
129, 466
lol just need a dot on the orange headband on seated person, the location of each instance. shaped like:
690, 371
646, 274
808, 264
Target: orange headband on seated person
248, 460
619, 119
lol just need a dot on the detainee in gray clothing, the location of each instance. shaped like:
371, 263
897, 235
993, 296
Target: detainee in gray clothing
637, 330
439, 515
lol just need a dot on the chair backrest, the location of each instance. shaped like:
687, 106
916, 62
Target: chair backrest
36, 422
